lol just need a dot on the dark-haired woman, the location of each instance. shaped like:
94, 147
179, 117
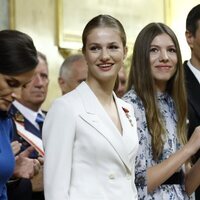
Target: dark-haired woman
18, 59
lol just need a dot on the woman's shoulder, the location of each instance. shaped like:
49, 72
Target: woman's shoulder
132, 98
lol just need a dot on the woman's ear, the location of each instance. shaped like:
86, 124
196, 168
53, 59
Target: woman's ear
125, 52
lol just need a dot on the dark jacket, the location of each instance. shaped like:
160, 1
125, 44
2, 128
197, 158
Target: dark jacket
193, 94
22, 189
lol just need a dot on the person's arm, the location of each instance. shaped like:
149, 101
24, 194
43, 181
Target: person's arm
58, 139
159, 173
192, 178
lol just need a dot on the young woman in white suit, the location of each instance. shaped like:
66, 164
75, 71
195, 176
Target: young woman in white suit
89, 134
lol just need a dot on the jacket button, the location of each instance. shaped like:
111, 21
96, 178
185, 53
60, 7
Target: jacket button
128, 176
112, 176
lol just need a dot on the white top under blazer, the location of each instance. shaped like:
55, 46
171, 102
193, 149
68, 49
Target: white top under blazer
86, 158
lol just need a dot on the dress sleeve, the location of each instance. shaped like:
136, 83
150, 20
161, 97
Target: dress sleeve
12, 130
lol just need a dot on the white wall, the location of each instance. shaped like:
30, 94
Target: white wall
179, 11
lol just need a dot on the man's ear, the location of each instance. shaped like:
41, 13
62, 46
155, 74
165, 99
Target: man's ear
60, 81
189, 38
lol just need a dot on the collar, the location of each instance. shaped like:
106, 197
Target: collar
194, 70
28, 113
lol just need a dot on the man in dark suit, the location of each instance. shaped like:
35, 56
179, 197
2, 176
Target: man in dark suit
26, 111
192, 73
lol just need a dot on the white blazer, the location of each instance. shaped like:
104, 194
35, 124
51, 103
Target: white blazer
86, 158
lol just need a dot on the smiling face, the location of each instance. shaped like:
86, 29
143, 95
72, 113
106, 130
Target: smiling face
163, 60
104, 53
11, 86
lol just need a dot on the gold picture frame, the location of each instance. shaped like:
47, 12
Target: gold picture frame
6, 14
72, 16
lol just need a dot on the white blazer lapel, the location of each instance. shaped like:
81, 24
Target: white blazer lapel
97, 117
129, 126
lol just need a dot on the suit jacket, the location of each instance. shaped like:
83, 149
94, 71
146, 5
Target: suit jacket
193, 92
22, 189
28, 126
86, 158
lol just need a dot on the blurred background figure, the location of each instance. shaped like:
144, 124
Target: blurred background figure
120, 87
192, 74
72, 72
26, 110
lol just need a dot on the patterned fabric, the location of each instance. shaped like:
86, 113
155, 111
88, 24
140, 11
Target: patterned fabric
144, 158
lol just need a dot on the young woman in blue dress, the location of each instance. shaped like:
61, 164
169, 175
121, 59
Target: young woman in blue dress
18, 59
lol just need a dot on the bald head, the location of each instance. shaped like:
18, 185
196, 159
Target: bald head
72, 72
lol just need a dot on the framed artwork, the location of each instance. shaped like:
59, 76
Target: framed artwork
7, 14
4, 14
72, 16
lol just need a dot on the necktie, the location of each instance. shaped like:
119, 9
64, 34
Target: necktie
39, 119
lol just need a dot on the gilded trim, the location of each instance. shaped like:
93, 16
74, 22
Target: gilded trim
11, 14
168, 12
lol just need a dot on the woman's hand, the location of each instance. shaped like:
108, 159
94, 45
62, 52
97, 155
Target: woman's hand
16, 146
26, 167
193, 145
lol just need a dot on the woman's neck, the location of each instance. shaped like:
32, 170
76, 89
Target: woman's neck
103, 91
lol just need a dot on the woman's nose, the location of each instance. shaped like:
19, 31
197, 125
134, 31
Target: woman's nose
105, 54
163, 56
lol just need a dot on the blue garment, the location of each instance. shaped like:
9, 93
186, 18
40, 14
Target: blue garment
7, 160
144, 158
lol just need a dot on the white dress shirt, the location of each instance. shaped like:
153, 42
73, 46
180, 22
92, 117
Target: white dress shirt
28, 113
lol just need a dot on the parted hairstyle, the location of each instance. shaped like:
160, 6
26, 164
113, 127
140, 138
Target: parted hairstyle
17, 53
140, 77
103, 21
192, 20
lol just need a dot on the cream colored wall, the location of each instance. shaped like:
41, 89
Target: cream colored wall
38, 19
179, 12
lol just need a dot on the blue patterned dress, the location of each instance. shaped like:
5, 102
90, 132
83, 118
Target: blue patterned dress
144, 157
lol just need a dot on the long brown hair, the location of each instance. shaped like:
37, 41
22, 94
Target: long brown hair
141, 78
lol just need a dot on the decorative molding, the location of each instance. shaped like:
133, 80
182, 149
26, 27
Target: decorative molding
71, 17
168, 12
11, 14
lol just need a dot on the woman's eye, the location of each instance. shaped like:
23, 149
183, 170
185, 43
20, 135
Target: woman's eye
153, 50
94, 48
172, 50
13, 84
113, 47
